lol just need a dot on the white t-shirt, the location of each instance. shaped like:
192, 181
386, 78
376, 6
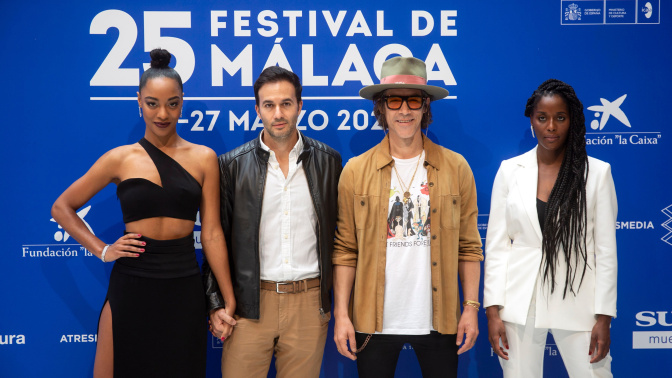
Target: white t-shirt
407, 306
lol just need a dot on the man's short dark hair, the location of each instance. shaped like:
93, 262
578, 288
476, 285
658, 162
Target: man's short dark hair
273, 74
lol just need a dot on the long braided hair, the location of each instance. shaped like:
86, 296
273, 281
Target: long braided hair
565, 222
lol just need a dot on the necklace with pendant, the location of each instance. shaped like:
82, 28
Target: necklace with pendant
407, 189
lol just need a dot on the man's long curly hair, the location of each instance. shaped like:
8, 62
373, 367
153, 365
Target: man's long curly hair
565, 223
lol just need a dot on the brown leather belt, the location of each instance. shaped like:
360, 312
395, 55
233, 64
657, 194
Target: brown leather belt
291, 287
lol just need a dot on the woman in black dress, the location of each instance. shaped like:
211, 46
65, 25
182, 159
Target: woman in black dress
153, 320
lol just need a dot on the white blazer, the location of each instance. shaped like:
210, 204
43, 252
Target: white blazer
513, 252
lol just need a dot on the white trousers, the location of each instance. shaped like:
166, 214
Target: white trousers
527, 345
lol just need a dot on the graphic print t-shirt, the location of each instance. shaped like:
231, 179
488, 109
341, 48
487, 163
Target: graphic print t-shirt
407, 306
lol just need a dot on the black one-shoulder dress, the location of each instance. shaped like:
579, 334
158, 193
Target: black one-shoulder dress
157, 300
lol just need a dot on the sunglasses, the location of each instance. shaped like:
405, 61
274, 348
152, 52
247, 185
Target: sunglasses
413, 102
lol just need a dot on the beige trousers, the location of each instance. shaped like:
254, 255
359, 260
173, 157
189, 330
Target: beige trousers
289, 325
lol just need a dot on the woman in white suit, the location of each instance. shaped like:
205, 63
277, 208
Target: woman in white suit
551, 246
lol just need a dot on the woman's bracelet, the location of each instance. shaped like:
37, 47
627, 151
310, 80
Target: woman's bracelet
102, 255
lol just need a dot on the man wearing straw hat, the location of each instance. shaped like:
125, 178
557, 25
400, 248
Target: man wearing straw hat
406, 231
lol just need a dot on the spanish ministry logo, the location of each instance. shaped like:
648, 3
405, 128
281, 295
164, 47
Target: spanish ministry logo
573, 12
625, 12
667, 225
608, 109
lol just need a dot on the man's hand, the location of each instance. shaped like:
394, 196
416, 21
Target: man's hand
344, 332
467, 329
497, 331
600, 339
221, 323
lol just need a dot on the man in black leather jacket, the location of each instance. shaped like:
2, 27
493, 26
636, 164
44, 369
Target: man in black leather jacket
280, 253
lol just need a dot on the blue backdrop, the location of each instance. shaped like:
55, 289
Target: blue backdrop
71, 71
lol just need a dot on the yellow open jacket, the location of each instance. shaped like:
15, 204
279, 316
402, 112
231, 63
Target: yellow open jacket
361, 236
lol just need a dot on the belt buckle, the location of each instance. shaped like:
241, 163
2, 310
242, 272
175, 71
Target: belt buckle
277, 288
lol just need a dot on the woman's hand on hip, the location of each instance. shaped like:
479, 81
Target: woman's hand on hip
126, 246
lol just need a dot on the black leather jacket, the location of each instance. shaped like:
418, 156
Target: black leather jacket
243, 176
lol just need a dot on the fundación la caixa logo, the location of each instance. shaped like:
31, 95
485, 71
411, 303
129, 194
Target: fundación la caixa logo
63, 235
61, 248
615, 134
608, 109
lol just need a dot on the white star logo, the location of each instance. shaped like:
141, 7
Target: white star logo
608, 109
63, 235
